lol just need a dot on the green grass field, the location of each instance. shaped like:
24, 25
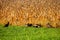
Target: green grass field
29, 33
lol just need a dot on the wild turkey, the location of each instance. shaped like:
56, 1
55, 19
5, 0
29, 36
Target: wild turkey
29, 25
6, 25
37, 25
49, 26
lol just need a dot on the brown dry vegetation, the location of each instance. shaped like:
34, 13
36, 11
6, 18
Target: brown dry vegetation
21, 12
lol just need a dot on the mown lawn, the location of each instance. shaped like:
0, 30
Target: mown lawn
29, 33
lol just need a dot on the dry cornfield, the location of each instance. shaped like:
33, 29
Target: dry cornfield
21, 12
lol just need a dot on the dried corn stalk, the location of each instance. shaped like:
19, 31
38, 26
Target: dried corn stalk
21, 12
